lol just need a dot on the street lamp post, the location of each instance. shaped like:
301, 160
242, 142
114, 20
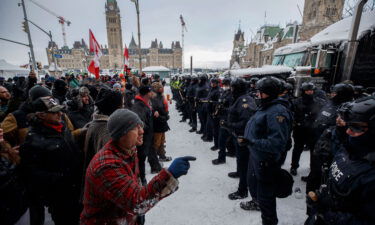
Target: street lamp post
136, 2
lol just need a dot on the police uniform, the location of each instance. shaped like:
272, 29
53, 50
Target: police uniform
212, 124
201, 95
268, 132
239, 113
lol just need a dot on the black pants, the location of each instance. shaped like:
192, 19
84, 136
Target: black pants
302, 137
209, 131
202, 115
36, 211
65, 211
223, 138
242, 158
193, 115
262, 185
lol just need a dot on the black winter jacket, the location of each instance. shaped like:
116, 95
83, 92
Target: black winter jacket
145, 114
51, 163
161, 122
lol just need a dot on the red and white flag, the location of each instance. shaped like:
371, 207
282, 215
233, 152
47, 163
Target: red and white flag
95, 48
126, 59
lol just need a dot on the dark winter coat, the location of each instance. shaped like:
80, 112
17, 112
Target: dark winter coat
213, 98
240, 112
129, 98
352, 185
78, 113
13, 201
161, 122
145, 114
306, 109
96, 137
51, 163
225, 101
268, 132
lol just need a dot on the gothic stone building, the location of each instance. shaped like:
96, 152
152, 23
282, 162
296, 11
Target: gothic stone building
317, 15
78, 57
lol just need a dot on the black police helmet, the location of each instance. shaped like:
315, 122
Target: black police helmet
203, 78
238, 86
226, 81
359, 113
270, 86
344, 92
307, 86
254, 80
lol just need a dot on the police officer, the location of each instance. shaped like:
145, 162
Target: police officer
200, 97
326, 118
212, 125
183, 93
190, 95
221, 113
267, 134
239, 113
306, 109
349, 195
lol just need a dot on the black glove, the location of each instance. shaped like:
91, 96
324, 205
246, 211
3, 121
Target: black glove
320, 201
242, 141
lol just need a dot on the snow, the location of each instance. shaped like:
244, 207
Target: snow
339, 31
155, 69
268, 69
202, 197
292, 48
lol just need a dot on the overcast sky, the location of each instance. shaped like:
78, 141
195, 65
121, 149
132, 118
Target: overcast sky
211, 24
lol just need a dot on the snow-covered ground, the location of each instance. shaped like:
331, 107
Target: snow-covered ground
202, 197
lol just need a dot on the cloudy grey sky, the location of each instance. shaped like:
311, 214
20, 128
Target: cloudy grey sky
211, 24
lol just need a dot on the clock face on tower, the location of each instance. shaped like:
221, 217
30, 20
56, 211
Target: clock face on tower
111, 7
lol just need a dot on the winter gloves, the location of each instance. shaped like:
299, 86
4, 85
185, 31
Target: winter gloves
180, 166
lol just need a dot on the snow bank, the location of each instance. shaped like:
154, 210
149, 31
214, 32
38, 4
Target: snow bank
339, 31
292, 48
155, 69
269, 69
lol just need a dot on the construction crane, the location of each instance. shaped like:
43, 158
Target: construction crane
183, 27
61, 19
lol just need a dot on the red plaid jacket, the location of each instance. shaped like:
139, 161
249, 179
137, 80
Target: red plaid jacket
113, 194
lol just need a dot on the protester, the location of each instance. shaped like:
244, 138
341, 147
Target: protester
112, 178
51, 163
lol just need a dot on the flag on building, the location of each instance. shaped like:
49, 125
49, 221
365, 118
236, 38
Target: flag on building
126, 59
94, 48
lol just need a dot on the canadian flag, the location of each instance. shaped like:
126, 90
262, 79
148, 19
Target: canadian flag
126, 59
95, 48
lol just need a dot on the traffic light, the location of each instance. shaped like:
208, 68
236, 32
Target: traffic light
25, 26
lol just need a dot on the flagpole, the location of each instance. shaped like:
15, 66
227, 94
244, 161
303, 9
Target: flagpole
136, 2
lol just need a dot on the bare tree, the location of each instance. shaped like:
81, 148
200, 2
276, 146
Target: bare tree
350, 5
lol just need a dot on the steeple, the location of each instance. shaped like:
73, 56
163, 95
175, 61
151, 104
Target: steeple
132, 44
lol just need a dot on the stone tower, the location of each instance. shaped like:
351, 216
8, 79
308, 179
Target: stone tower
318, 14
238, 45
114, 34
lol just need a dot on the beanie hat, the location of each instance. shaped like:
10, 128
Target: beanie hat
116, 85
121, 122
38, 91
144, 90
108, 101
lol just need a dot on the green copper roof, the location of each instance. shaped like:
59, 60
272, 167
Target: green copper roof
272, 31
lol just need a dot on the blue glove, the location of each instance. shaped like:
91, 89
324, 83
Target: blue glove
180, 166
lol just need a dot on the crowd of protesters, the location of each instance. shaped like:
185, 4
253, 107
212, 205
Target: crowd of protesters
259, 120
78, 146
